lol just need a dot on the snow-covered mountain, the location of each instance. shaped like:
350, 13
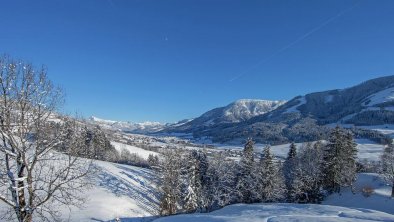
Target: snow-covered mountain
303, 118
244, 109
369, 103
145, 127
238, 111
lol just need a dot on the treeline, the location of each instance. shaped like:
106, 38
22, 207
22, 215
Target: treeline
90, 141
87, 141
297, 130
192, 181
373, 117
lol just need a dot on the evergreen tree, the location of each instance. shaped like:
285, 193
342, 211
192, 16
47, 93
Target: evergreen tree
307, 180
170, 184
332, 161
196, 176
221, 181
246, 180
349, 168
297, 193
388, 165
271, 184
153, 161
340, 154
289, 169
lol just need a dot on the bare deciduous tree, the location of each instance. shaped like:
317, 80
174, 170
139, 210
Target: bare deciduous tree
35, 178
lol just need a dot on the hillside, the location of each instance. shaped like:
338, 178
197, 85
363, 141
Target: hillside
305, 118
117, 191
236, 112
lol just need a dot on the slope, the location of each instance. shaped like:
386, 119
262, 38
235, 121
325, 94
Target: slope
283, 213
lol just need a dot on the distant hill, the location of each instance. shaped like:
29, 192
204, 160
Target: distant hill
238, 111
303, 118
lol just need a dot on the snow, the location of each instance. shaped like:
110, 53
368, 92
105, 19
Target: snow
99, 120
118, 191
247, 108
369, 150
294, 109
133, 149
379, 200
380, 97
145, 127
283, 213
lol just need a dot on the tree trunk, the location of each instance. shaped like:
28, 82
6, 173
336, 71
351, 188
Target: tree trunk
392, 190
28, 217
21, 190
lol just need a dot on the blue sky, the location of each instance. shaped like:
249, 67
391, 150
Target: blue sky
167, 60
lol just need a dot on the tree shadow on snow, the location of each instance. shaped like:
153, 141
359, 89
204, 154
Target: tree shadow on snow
137, 184
129, 219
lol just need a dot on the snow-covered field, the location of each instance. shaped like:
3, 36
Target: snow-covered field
283, 213
379, 200
369, 150
133, 149
118, 191
128, 192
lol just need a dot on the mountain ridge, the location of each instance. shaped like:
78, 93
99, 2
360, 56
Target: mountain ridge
305, 118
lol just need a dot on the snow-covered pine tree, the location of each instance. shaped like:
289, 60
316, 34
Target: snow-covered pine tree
195, 181
99, 143
202, 166
307, 181
245, 180
170, 183
339, 160
221, 181
388, 165
289, 169
271, 183
87, 149
297, 193
153, 161
349, 168
332, 160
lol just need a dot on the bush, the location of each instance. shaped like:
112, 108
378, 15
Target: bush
367, 191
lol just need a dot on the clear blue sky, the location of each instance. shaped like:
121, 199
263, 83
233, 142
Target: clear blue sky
169, 60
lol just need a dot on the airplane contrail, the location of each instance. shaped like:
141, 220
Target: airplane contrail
299, 39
